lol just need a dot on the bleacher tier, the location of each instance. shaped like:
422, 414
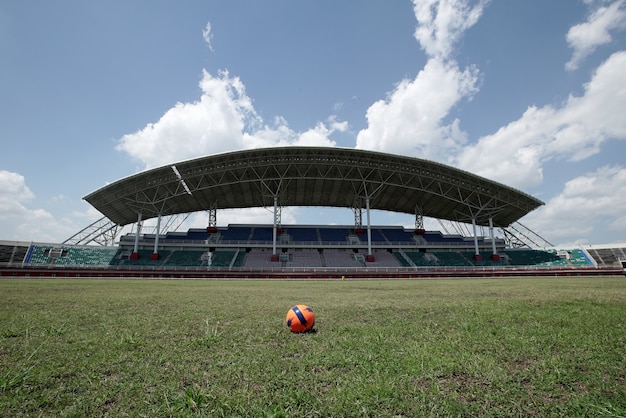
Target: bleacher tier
341, 258
398, 235
334, 235
302, 234
70, 256
251, 247
236, 233
260, 233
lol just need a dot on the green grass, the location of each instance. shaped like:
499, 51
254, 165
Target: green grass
499, 347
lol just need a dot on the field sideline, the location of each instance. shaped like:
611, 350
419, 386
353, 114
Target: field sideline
479, 347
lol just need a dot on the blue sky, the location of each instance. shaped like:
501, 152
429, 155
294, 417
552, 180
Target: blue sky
525, 92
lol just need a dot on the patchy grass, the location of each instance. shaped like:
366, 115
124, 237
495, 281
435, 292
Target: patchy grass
498, 347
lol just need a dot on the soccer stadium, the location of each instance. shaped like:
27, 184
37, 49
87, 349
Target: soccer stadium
137, 315
481, 233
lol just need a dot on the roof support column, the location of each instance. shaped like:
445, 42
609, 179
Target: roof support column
370, 256
419, 221
135, 254
494, 254
477, 255
155, 252
212, 227
358, 218
274, 229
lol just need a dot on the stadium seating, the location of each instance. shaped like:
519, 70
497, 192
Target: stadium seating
403, 259
304, 258
259, 259
198, 258
185, 258
251, 247
398, 235
37, 255
334, 235
262, 233
383, 259
223, 258
608, 256
236, 233
144, 259
417, 258
437, 237
342, 258
300, 234
13, 253
71, 255
579, 258
87, 256
526, 257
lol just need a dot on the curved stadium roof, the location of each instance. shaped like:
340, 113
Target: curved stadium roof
312, 176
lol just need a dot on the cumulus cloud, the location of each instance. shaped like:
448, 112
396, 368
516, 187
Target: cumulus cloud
411, 120
442, 22
587, 201
14, 193
516, 153
223, 119
585, 37
414, 119
17, 220
215, 123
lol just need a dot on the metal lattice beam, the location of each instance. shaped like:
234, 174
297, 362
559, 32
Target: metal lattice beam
312, 176
102, 232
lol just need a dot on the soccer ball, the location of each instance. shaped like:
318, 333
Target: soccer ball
300, 318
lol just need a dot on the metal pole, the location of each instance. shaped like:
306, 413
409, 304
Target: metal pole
475, 237
274, 232
136, 248
493, 241
156, 237
369, 231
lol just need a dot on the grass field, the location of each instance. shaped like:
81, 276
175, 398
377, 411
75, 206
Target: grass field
498, 347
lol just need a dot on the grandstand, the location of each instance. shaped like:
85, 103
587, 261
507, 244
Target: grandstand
334, 254
306, 176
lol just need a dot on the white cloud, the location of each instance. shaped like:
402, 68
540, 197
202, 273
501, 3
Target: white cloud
212, 124
442, 22
14, 193
207, 35
224, 119
516, 153
318, 136
17, 220
585, 37
583, 207
411, 120
415, 120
